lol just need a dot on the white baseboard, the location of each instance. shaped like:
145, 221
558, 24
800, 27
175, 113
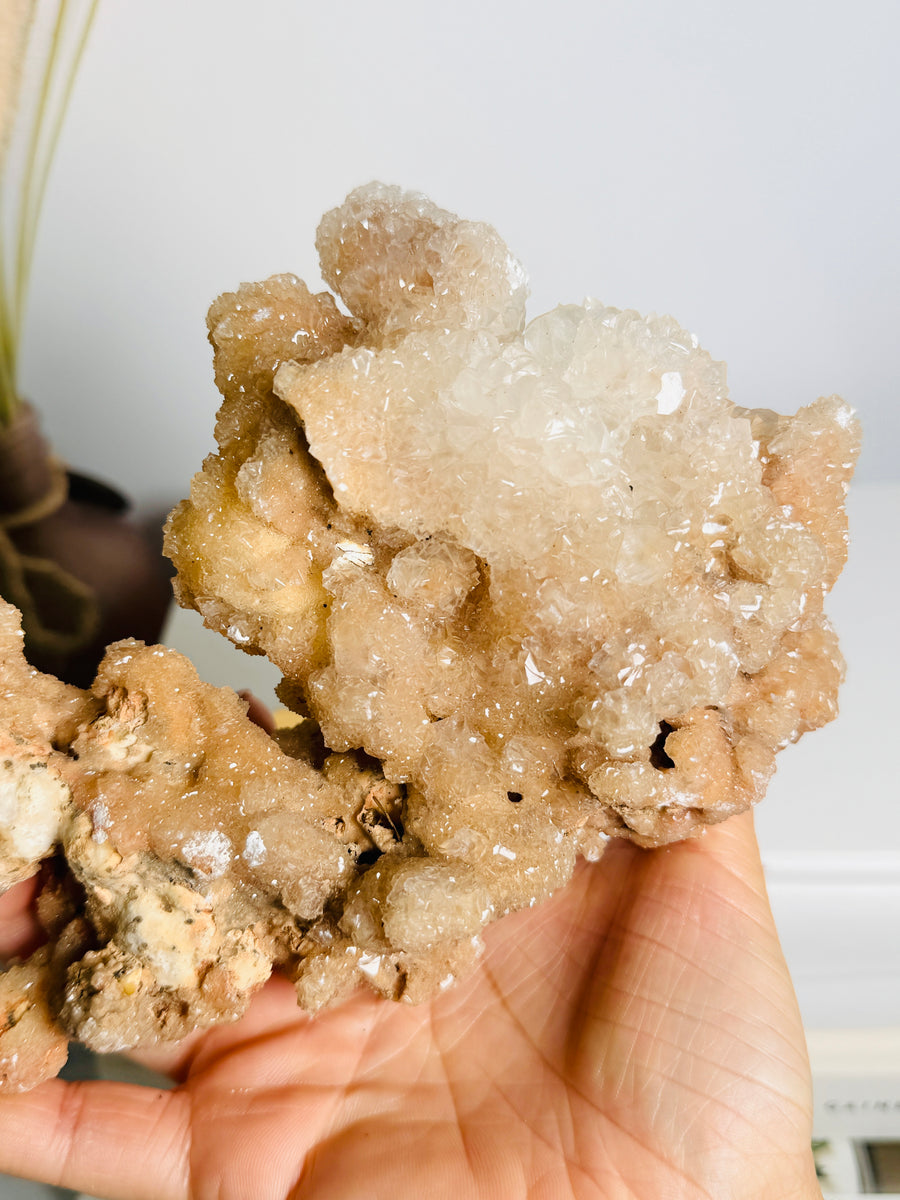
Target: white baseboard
838, 916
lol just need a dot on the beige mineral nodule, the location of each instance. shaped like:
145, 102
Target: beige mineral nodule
530, 586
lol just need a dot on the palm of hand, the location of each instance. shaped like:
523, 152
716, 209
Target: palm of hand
635, 1037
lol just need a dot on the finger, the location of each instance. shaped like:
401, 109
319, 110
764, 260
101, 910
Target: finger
692, 949
714, 884
109, 1139
258, 712
19, 928
726, 859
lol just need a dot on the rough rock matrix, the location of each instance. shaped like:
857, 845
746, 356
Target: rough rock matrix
530, 587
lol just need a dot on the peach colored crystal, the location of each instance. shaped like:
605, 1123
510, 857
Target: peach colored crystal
530, 586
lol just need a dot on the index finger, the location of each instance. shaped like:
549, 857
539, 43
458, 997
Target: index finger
109, 1139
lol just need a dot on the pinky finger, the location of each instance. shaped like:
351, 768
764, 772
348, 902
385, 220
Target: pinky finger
108, 1139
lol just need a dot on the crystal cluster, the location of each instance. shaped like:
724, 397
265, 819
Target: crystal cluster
547, 574
530, 586
186, 851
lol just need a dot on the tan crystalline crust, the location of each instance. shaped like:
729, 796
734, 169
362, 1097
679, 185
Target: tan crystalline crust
191, 852
531, 586
550, 561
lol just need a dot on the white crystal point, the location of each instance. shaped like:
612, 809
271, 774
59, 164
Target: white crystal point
400, 263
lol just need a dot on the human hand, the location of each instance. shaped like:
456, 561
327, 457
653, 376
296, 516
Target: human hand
635, 1037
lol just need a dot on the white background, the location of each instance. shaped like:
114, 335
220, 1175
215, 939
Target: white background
733, 164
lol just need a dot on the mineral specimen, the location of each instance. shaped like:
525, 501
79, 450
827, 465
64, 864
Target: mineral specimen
530, 587
186, 850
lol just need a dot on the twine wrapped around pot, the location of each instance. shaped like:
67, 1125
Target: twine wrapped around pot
60, 613
79, 572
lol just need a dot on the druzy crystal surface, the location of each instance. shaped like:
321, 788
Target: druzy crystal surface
549, 560
530, 586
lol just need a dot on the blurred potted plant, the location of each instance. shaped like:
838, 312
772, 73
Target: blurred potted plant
79, 571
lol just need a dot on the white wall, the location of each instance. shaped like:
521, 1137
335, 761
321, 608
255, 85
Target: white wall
732, 164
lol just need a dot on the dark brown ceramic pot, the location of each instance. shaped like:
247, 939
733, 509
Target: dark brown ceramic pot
80, 571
